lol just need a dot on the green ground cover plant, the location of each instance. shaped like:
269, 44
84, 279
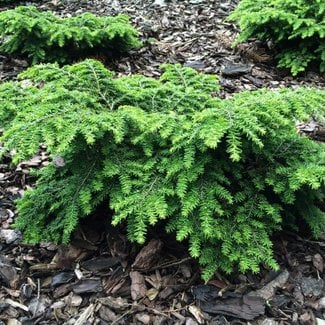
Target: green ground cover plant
296, 27
222, 174
43, 37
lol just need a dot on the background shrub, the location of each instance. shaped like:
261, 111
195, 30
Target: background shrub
43, 37
4, 2
296, 27
222, 174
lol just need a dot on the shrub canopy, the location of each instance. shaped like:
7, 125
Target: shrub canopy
296, 27
222, 174
43, 37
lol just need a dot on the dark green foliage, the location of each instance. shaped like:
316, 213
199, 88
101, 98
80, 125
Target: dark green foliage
43, 37
4, 2
223, 174
296, 27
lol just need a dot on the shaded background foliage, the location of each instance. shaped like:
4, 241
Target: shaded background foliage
43, 37
295, 27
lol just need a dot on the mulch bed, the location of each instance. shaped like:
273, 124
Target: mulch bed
100, 278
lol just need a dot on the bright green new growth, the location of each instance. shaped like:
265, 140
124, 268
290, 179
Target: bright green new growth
43, 37
296, 27
223, 174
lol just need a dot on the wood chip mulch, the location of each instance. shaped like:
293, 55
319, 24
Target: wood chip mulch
100, 278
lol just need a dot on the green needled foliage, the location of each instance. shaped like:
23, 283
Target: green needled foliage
296, 27
4, 2
222, 174
43, 37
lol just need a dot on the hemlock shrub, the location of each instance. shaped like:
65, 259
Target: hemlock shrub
43, 37
222, 174
296, 27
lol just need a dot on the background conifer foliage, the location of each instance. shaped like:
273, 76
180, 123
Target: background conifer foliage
295, 27
221, 174
43, 37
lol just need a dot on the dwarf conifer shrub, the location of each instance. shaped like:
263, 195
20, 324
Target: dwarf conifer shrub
43, 37
296, 27
222, 174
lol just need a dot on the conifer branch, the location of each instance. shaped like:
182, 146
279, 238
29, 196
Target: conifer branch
295, 28
223, 174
